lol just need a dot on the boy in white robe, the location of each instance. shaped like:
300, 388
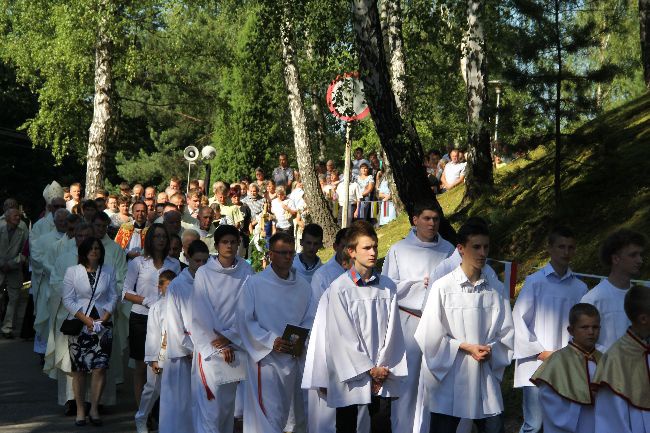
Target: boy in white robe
155, 352
409, 263
217, 345
565, 378
321, 418
623, 399
365, 353
270, 301
622, 252
176, 406
541, 316
307, 262
466, 336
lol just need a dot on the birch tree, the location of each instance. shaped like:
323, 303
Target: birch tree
479, 163
318, 207
101, 126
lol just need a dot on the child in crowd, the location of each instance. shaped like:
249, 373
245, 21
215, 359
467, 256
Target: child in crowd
155, 348
623, 399
564, 379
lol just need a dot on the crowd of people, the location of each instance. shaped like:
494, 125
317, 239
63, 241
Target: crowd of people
162, 279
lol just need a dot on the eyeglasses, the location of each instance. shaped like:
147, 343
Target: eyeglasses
284, 253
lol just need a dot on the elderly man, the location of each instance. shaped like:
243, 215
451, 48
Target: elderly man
162, 197
138, 192
130, 236
189, 236
12, 242
150, 192
454, 172
53, 195
206, 227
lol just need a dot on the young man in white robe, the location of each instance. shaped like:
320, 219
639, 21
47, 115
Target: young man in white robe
466, 336
409, 263
307, 261
541, 316
39, 254
565, 377
622, 252
271, 300
365, 353
321, 418
623, 398
220, 360
155, 352
176, 404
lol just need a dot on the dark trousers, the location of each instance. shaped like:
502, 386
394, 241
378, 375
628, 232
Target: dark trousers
379, 410
447, 424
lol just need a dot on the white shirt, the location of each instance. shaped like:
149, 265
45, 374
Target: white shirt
142, 279
325, 275
458, 311
178, 315
303, 271
613, 321
282, 217
363, 331
541, 317
453, 171
409, 262
155, 347
355, 193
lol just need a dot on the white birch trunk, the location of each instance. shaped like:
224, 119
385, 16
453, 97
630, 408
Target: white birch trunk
101, 126
314, 197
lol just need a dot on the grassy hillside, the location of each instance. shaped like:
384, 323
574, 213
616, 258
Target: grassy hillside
605, 186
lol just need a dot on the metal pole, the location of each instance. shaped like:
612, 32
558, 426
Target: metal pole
189, 168
496, 117
346, 177
208, 171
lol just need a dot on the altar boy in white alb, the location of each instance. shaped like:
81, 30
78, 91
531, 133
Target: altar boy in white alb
307, 262
176, 406
466, 337
622, 252
271, 300
366, 358
220, 361
541, 316
409, 263
623, 399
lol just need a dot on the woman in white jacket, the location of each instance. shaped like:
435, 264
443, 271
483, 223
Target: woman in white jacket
89, 295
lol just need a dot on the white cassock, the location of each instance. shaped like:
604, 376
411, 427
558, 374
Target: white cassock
39, 253
609, 300
116, 258
306, 272
268, 303
560, 415
155, 349
214, 307
41, 228
458, 311
322, 418
176, 403
363, 331
615, 415
57, 354
422, 417
541, 317
408, 263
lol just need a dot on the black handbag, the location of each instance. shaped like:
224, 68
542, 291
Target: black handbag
74, 326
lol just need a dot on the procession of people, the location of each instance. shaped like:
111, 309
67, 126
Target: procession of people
163, 283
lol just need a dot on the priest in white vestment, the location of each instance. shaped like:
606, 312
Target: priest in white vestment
622, 252
176, 405
466, 336
565, 378
409, 263
541, 317
221, 362
271, 300
622, 377
365, 353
